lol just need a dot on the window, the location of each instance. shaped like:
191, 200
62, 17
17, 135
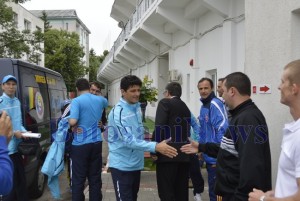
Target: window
67, 26
27, 25
15, 18
38, 28
212, 74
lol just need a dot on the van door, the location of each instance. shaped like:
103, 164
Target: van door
57, 94
36, 101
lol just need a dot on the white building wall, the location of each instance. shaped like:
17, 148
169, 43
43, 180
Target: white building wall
34, 21
221, 50
114, 93
272, 40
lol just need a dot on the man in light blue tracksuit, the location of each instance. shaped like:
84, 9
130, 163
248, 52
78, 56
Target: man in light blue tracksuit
213, 123
11, 104
126, 141
86, 150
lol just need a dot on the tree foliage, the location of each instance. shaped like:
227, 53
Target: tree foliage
95, 62
148, 93
47, 25
20, 1
63, 54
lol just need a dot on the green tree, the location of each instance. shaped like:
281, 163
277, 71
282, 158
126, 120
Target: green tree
95, 62
15, 43
20, 1
63, 54
47, 25
94, 65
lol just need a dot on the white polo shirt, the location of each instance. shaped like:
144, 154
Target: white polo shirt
289, 161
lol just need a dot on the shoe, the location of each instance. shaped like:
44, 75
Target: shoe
197, 197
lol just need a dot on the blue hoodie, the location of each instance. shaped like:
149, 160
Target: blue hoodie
126, 137
6, 171
13, 109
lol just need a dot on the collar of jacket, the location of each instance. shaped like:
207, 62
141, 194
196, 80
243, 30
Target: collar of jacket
241, 106
208, 99
6, 96
131, 106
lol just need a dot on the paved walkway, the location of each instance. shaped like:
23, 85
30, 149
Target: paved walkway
148, 188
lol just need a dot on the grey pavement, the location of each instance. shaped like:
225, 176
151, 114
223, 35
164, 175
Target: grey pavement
148, 188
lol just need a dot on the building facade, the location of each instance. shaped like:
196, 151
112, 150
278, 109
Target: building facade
25, 20
185, 40
69, 21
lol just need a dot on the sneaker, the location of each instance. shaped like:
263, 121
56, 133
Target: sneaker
197, 197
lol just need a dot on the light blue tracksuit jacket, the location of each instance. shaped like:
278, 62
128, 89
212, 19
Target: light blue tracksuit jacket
126, 137
13, 109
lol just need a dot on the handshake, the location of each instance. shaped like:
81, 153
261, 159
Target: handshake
171, 152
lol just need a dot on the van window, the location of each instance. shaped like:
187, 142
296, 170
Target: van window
35, 100
57, 93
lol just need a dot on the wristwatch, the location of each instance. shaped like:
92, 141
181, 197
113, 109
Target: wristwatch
262, 198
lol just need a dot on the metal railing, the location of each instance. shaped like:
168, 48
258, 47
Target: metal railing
136, 17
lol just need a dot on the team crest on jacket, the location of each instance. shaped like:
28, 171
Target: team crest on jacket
206, 118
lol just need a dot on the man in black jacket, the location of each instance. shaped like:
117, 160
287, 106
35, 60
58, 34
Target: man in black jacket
172, 121
243, 158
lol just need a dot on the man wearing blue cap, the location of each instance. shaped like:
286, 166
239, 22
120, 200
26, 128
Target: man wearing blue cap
11, 104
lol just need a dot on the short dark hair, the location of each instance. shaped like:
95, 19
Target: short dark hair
240, 81
221, 79
129, 81
207, 79
96, 84
174, 89
82, 84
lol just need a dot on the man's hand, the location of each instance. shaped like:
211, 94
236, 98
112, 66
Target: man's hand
5, 126
18, 134
191, 148
256, 194
165, 149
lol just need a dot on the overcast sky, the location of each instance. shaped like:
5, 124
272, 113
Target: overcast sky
94, 14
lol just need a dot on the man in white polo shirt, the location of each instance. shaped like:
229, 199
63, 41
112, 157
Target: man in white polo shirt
288, 177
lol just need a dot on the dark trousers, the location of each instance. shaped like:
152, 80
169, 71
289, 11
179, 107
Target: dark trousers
86, 163
227, 197
211, 172
18, 192
126, 184
195, 175
172, 181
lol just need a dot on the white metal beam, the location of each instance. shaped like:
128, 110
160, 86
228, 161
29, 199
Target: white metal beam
158, 33
141, 54
120, 66
115, 69
126, 62
151, 48
217, 6
130, 57
176, 16
107, 75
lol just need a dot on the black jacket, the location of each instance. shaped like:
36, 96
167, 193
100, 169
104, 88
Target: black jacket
243, 158
172, 119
